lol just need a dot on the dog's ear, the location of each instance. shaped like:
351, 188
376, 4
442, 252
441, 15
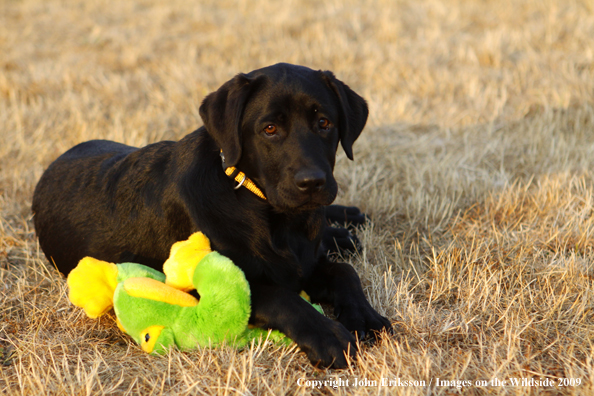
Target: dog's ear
353, 112
222, 112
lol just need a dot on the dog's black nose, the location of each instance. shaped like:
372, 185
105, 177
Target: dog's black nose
310, 181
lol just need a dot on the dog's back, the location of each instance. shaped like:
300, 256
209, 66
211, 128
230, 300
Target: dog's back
71, 213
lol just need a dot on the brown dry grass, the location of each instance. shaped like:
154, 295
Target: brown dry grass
477, 167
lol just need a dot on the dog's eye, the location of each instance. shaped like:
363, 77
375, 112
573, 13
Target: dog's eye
324, 123
270, 130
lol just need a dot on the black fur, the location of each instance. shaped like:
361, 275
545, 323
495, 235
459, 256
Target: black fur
119, 203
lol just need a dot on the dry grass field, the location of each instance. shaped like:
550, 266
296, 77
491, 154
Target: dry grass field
476, 168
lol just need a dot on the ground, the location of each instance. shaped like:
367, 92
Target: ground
476, 168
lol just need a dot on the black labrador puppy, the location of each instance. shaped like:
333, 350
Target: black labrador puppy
275, 131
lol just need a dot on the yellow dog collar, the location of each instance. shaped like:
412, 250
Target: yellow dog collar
242, 179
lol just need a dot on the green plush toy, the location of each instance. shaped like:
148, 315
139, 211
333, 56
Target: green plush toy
155, 309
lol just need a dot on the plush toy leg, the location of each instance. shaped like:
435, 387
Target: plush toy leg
91, 286
92, 283
184, 257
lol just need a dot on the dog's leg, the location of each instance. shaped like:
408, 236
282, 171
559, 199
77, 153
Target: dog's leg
339, 240
339, 236
339, 284
326, 342
347, 216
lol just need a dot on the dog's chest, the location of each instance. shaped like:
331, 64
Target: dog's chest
299, 242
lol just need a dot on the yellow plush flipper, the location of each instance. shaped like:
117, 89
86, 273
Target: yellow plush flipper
155, 290
184, 257
91, 286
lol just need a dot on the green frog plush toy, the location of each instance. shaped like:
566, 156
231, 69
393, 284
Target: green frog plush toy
155, 309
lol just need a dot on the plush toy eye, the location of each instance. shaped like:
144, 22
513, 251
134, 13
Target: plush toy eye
324, 123
270, 130
149, 337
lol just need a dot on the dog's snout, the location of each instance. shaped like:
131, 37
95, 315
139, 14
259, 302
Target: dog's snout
310, 181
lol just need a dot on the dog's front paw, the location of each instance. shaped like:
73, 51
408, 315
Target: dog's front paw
363, 320
337, 240
349, 216
329, 345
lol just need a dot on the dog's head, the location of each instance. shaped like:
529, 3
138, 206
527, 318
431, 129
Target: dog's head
281, 125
